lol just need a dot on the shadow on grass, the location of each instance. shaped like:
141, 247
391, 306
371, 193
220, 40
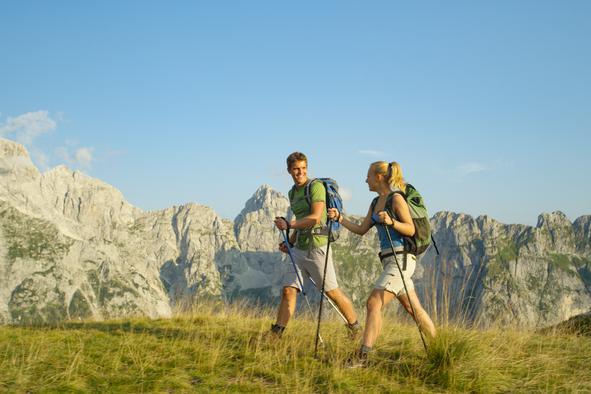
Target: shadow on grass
140, 328
120, 328
577, 325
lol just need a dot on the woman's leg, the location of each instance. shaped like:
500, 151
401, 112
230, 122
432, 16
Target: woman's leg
376, 302
422, 318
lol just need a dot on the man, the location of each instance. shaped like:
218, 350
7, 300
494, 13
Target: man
310, 246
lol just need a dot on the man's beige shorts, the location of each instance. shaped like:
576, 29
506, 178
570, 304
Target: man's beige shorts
310, 263
390, 278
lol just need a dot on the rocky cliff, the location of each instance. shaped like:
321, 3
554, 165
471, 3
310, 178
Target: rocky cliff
72, 247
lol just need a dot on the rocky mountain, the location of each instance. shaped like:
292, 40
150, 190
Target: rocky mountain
72, 247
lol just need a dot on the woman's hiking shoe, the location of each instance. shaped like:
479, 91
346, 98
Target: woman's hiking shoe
275, 332
356, 361
359, 359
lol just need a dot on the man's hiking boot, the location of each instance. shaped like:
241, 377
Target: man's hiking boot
354, 330
275, 332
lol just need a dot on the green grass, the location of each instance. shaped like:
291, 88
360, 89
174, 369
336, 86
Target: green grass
223, 349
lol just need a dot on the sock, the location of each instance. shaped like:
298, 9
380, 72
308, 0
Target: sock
364, 351
353, 325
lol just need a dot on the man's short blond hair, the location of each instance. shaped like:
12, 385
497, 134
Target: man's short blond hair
295, 156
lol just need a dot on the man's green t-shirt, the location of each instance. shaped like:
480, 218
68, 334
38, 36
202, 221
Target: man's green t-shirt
301, 209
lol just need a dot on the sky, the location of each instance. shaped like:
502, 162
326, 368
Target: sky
486, 105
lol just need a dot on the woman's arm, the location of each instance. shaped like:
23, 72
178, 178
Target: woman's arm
359, 229
404, 225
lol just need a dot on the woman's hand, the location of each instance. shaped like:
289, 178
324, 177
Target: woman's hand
333, 214
385, 218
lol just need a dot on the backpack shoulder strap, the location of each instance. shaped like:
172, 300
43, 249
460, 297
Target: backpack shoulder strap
389, 200
374, 202
372, 206
307, 192
291, 192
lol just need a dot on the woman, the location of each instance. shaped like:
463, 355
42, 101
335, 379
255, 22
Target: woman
384, 178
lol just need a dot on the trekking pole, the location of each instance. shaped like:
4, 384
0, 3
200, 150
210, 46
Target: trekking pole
337, 310
299, 278
331, 302
405, 288
322, 295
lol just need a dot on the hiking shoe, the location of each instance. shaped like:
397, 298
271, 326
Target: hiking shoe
355, 330
274, 333
357, 361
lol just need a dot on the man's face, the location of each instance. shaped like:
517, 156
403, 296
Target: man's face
299, 172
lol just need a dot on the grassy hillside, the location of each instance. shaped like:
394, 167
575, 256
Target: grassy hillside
222, 349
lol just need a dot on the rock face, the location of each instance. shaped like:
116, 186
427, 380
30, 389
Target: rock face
255, 272
491, 273
72, 247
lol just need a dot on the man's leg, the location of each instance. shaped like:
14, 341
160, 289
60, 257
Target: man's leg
314, 265
344, 304
287, 305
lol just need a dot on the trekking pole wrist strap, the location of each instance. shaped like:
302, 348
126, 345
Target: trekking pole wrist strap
286, 223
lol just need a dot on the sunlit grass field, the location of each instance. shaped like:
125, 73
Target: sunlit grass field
219, 348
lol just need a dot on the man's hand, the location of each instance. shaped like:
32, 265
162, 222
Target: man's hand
283, 247
281, 223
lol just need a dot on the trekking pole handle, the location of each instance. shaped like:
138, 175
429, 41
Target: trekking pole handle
287, 224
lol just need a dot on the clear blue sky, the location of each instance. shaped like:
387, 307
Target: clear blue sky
486, 105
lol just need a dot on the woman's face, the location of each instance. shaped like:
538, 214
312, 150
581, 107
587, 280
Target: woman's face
372, 180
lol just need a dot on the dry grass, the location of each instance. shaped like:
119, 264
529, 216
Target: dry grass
218, 348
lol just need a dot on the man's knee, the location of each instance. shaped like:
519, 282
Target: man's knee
289, 293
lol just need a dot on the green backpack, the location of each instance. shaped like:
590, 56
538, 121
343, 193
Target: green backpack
421, 240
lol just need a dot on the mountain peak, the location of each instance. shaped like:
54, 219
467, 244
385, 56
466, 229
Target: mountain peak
253, 227
554, 219
15, 162
10, 148
264, 198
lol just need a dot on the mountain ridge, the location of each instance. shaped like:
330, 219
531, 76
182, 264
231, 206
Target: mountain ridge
72, 246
